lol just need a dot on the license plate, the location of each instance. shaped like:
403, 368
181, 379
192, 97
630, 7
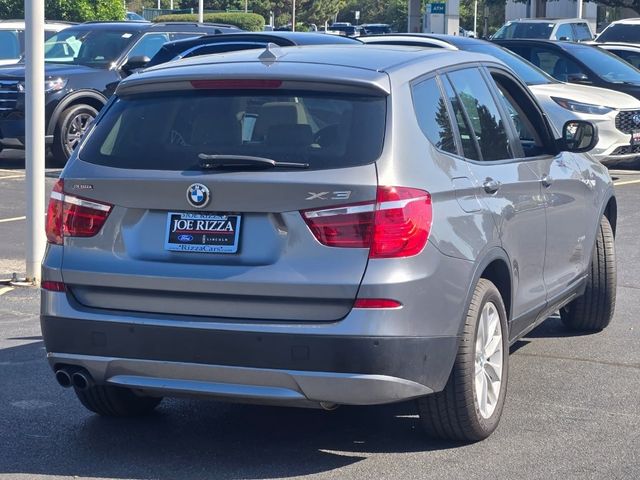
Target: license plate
202, 232
635, 137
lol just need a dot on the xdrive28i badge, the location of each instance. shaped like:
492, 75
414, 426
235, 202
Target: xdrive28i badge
198, 195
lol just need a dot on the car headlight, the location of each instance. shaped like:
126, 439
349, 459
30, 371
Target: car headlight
52, 85
580, 107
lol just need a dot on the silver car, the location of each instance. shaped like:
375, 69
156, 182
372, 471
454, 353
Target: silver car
317, 226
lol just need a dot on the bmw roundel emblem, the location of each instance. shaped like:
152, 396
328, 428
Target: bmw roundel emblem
636, 119
198, 195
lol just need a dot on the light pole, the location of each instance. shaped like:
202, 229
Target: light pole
201, 11
293, 17
475, 18
34, 141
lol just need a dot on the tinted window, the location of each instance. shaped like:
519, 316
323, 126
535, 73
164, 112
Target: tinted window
620, 33
607, 65
582, 31
98, 48
151, 43
9, 45
555, 63
169, 131
564, 32
525, 70
483, 114
432, 115
628, 56
469, 146
524, 30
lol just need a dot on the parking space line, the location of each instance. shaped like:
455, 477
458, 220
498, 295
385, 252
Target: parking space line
4, 290
11, 176
627, 182
14, 219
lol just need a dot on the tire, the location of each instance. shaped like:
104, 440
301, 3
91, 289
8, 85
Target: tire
110, 401
73, 122
457, 413
593, 311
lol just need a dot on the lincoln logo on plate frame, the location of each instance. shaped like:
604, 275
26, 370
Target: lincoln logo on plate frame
198, 195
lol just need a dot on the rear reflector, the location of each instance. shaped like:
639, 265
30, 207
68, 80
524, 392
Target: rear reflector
226, 84
376, 303
396, 225
53, 286
70, 216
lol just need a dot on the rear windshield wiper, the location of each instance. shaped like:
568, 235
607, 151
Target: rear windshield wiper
212, 162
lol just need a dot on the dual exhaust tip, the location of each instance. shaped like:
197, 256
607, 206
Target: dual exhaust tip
74, 377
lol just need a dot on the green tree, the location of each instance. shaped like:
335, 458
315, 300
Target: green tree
393, 12
70, 10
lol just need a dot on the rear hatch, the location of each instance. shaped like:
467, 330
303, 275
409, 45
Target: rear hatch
201, 222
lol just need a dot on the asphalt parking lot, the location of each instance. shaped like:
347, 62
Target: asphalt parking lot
572, 411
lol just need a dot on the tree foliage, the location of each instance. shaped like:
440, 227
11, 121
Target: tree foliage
69, 10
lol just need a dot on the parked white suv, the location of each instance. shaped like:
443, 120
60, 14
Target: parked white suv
622, 31
12, 38
567, 29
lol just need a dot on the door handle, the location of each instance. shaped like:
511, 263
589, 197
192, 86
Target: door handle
490, 185
546, 180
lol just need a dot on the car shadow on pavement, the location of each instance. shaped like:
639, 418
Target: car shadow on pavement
45, 431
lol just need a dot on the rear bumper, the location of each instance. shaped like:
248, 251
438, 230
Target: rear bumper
278, 368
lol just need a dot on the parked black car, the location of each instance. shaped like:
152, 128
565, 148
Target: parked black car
578, 63
629, 52
232, 42
84, 64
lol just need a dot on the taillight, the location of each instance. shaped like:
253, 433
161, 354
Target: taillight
53, 286
70, 216
396, 225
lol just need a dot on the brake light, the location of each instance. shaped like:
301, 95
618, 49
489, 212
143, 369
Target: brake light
226, 84
396, 225
70, 216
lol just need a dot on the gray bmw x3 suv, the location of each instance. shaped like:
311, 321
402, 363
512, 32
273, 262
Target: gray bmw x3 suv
316, 226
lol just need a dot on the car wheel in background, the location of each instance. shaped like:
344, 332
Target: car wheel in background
73, 123
470, 406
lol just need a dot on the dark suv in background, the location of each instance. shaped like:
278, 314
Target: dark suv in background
84, 64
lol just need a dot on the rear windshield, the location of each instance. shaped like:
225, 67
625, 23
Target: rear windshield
524, 30
170, 131
620, 33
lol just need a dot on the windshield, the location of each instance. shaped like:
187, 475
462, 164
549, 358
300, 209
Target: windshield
524, 30
621, 33
95, 48
171, 131
607, 66
528, 73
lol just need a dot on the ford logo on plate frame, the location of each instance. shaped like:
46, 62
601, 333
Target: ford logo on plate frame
198, 195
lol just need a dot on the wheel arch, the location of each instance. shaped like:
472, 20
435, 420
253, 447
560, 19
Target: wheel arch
495, 266
82, 97
611, 212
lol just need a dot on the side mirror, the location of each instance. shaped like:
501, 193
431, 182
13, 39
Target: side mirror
135, 63
578, 78
578, 136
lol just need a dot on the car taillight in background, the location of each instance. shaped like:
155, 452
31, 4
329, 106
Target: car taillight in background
70, 216
396, 225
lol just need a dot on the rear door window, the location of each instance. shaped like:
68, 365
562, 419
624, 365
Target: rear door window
170, 131
481, 114
432, 115
582, 32
9, 45
564, 32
